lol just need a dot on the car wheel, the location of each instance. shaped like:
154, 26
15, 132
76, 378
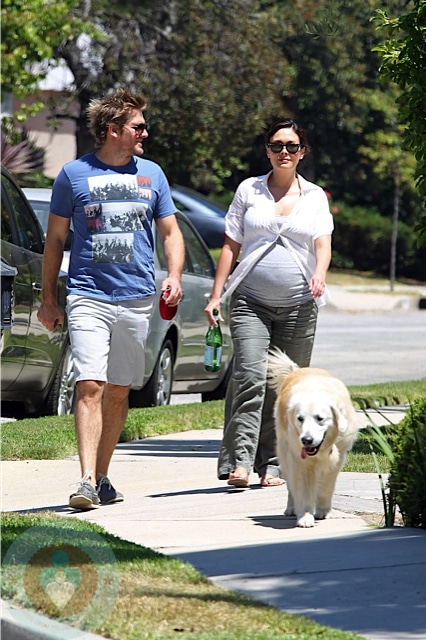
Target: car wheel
220, 392
60, 400
158, 389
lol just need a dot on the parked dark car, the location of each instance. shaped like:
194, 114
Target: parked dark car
175, 348
207, 216
36, 364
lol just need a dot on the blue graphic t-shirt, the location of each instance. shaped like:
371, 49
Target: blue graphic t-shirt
112, 209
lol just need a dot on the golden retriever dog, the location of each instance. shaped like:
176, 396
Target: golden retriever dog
316, 426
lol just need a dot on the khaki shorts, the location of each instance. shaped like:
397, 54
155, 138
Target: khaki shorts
108, 339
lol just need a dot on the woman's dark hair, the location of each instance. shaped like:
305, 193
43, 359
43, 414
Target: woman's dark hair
288, 123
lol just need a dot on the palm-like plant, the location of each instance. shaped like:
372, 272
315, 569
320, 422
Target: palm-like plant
20, 155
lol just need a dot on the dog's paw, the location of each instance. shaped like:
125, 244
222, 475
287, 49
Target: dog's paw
289, 513
307, 520
322, 514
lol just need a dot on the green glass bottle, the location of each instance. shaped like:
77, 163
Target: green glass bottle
213, 348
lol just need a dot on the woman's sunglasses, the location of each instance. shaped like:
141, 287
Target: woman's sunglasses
277, 147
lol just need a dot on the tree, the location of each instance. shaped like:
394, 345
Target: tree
209, 70
384, 151
404, 61
28, 49
328, 45
28, 43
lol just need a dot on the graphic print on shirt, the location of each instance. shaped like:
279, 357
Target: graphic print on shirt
115, 214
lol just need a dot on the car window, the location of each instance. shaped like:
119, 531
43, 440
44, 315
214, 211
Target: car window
199, 198
28, 234
190, 205
198, 259
6, 231
179, 206
41, 209
159, 250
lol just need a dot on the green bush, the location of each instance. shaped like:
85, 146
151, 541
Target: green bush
407, 480
362, 241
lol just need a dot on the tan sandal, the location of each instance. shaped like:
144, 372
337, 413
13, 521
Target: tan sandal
239, 478
271, 481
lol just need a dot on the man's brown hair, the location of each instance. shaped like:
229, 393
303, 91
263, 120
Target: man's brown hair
113, 108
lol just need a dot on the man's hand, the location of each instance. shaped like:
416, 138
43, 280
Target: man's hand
50, 315
174, 291
174, 252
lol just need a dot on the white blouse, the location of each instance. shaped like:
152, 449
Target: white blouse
251, 221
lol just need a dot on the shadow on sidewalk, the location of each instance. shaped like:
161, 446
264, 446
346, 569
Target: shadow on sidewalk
371, 583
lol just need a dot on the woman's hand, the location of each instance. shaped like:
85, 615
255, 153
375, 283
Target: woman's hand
213, 305
323, 258
317, 285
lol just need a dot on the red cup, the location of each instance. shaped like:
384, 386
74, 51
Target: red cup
167, 312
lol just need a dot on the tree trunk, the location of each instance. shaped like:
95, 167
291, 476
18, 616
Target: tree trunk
394, 237
84, 139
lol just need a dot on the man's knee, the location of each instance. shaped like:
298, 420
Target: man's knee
90, 389
117, 392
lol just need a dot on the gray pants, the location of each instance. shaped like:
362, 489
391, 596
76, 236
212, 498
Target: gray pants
249, 435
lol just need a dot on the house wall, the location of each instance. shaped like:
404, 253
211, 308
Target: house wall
59, 142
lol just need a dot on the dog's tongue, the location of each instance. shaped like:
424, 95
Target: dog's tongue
304, 453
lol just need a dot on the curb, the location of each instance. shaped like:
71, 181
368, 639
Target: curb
23, 624
356, 304
351, 299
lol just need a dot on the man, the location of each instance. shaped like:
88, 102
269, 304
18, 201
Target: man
112, 197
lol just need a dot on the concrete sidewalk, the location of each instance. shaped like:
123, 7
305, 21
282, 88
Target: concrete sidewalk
342, 573
361, 298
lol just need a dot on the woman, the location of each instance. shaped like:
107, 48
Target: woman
282, 225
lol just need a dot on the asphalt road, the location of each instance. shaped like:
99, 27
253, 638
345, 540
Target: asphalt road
365, 348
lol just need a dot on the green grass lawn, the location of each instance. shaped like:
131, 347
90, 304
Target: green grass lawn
53, 437
369, 280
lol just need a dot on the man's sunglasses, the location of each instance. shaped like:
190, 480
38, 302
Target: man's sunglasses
139, 128
277, 147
